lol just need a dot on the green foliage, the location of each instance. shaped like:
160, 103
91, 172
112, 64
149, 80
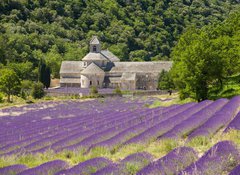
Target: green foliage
44, 74
93, 91
37, 90
9, 83
204, 57
165, 81
134, 30
132, 168
26, 87
1, 97
23, 70
118, 91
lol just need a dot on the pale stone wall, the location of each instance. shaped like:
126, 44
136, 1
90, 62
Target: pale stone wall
147, 81
92, 80
128, 85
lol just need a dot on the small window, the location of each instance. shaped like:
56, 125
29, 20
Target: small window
98, 83
94, 48
90, 83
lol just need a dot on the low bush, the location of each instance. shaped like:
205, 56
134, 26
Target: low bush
37, 91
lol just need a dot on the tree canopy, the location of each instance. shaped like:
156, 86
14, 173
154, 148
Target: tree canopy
9, 83
204, 57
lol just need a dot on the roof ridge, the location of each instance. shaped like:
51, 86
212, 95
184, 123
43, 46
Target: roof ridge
94, 40
92, 69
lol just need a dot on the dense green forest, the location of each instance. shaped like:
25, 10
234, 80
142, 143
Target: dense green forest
56, 30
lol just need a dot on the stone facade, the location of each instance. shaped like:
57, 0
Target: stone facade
103, 69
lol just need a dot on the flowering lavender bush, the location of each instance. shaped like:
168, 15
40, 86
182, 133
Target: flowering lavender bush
12, 170
87, 167
130, 165
172, 163
235, 171
219, 119
196, 120
222, 157
158, 129
49, 168
234, 124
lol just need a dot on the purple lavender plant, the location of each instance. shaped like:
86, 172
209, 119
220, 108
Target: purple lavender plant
196, 120
219, 119
157, 130
222, 157
112, 169
235, 171
49, 168
234, 124
88, 167
172, 163
13, 169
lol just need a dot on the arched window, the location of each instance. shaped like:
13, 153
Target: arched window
94, 48
90, 83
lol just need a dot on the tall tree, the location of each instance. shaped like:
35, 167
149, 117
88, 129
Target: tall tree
206, 56
9, 83
48, 77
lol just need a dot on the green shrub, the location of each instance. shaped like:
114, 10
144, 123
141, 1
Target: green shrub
1, 98
118, 91
26, 87
93, 90
37, 91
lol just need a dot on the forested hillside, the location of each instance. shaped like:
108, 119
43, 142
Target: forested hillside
57, 30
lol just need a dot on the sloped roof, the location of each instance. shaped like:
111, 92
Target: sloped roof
71, 67
128, 76
93, 69
110, 56
95, 56
141, 67
94, 40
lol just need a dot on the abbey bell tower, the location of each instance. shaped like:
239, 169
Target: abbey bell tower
95, 46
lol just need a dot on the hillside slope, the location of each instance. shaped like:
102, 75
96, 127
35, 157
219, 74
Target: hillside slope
60, 29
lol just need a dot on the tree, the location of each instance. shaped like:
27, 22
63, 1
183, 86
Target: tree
165, 81
44, 74
204, 57
9, 83
48, 77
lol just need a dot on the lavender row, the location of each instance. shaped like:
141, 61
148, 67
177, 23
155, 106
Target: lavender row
138, 160
196, 120
218, 120
110, 132
157, 130
58, 134
13, 169
235, 171
126, 134
88, 167
172, 163
234, 124
222, 157
38, 143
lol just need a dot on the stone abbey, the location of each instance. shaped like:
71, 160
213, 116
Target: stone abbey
103, 69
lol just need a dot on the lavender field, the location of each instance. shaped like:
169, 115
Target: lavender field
121, 136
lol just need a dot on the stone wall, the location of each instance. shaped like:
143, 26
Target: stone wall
147, 81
